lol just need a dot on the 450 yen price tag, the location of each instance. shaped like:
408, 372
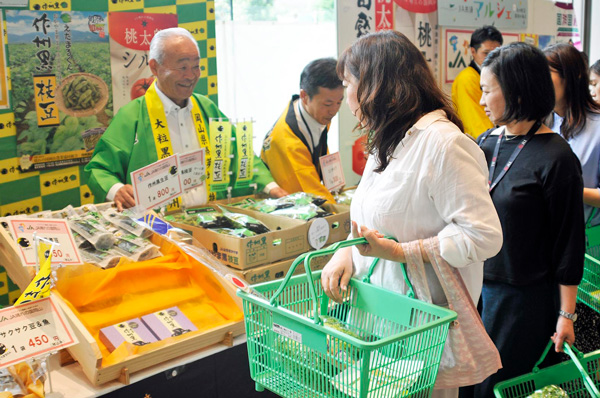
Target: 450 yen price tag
33, 329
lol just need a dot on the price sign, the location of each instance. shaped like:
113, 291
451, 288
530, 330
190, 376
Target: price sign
157, 183
193, 169
58, 231
32, 329
333, 173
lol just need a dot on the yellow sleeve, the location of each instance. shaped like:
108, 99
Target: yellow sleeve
466, 94
291, 165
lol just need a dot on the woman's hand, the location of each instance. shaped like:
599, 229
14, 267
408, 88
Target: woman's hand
337, 273
564, 332
378, 245
564, 326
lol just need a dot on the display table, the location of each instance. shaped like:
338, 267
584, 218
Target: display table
217, 371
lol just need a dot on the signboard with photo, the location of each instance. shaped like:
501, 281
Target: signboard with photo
60, 73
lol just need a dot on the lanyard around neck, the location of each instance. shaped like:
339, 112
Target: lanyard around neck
312, 140
513, 156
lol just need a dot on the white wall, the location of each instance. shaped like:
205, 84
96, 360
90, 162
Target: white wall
259, 66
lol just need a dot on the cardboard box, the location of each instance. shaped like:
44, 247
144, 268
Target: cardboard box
278, 270
334, 228
288, 238
339, 223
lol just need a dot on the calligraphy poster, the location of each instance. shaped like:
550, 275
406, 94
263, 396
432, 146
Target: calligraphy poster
355, 19
384, 15
426, 38
130, 38
60, 77
507, 14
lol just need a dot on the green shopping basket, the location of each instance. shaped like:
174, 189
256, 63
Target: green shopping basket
588, 291
579, 377
376, 344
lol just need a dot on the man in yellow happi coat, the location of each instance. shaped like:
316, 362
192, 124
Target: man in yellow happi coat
291, 150
466, 91
170, 118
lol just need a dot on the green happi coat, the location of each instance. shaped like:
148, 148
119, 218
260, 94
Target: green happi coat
128, 144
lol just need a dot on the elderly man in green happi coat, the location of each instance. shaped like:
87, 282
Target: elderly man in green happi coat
170, 118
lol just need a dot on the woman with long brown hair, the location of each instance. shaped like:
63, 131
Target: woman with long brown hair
425, 180
576, 117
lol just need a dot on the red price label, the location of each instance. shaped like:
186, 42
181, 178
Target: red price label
38, 340
163, 192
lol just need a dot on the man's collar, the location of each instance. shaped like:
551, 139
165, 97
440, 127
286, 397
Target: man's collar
312, 123
475, 66
168, 104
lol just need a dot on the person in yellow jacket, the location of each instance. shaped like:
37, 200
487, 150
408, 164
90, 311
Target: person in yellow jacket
292, 148
466, 91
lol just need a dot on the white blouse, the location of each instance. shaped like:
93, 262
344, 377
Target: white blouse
435, 185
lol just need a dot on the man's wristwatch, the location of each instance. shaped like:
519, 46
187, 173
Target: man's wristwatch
568, 315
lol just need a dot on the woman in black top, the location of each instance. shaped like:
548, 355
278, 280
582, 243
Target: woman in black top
536, 186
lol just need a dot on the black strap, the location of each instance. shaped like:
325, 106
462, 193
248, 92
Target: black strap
513, 156
481, 139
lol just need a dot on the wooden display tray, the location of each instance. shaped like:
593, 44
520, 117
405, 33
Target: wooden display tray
87, 352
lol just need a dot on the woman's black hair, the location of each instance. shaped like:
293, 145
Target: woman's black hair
524, 77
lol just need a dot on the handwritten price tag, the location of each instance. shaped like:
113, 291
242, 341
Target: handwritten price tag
32, 329
157, 183
193, 169
333, 173
22, 230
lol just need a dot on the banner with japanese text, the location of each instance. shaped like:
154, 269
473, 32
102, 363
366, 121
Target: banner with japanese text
384, 15
130, 38
60, 75
506, 14
426, 38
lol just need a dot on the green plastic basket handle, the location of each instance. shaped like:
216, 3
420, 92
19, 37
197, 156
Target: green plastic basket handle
575, 355
307, 258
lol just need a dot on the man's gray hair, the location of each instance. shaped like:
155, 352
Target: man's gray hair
157, 49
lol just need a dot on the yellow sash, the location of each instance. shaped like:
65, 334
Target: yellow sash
162, 138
